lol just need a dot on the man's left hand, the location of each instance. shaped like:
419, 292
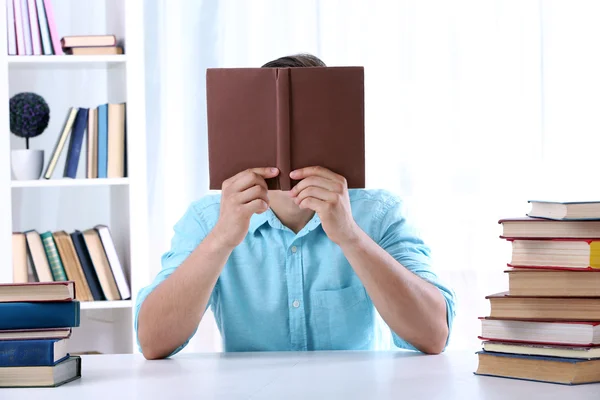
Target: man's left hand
326, 193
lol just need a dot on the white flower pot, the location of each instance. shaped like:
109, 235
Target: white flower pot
27, 164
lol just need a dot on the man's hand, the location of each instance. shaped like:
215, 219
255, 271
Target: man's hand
242, 196
326, 193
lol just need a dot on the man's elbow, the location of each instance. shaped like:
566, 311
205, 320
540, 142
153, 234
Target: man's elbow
437, 341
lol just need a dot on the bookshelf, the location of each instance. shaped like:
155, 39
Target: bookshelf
77, 204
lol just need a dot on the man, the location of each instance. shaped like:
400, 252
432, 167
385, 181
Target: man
300, 270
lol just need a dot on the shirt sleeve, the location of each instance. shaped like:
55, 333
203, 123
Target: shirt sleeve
189, 232
402, 241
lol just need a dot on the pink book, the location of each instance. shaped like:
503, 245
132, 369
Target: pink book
52, 25
35, 30
19, 28
10, 28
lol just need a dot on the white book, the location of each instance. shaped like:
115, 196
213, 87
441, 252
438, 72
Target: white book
26, 27
44, 29
113, 261
11, 33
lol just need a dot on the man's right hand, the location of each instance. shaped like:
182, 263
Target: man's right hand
242, 196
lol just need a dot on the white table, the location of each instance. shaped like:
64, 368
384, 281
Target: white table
313, 375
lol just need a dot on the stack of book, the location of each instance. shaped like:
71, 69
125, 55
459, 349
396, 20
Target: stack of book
88, 258
91, 45
36, 320
547, 326
103, 128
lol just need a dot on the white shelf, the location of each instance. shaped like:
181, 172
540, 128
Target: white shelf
66, 60
104, 305
66, 182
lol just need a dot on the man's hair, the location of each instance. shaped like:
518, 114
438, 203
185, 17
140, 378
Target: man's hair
296, 60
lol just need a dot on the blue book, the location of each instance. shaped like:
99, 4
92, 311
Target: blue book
39, 315
76, 143
102, 140
32, 353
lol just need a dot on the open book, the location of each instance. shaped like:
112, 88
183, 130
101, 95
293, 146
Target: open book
288, 118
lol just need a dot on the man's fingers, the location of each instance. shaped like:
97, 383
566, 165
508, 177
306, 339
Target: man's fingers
317, 193
267, 172
317, 181
257, 206
313, 204
316, 171
246, 181
253, 193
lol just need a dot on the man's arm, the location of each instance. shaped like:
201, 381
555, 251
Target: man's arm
412, 307
170, 314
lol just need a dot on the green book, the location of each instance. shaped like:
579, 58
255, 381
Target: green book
56, 266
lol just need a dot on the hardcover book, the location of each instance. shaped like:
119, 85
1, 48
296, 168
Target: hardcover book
287, 118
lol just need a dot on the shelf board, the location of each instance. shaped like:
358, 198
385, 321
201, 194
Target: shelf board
66, 61
67, 182
104, 305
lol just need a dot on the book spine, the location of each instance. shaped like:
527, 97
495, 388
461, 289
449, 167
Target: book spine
87, 266
19, 27
282, 85
52, 27
10, 28
102, 140
116, 141
92, 144
56, 267
61, 142
113, 260
26, 353
26, 27
76, 143
39, 315
35, 30
43, 26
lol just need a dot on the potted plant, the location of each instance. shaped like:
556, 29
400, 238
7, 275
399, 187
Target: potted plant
29, 117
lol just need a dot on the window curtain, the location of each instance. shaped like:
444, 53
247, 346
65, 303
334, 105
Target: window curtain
472, 108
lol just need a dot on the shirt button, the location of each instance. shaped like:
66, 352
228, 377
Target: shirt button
296, 304
294, 249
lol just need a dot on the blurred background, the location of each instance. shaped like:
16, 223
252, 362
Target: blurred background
472, 108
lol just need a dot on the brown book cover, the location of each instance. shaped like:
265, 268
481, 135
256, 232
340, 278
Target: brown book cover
288, 118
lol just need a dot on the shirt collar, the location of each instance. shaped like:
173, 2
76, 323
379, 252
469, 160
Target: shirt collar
258, 220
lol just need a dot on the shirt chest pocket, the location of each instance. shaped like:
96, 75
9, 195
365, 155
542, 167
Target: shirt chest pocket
343, 319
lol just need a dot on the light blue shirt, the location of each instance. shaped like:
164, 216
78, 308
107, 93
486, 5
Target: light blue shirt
284, 291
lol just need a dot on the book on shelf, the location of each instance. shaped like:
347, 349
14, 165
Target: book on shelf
32, 30
103, 129
287, 118
36, 321
546, 326
88, 258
